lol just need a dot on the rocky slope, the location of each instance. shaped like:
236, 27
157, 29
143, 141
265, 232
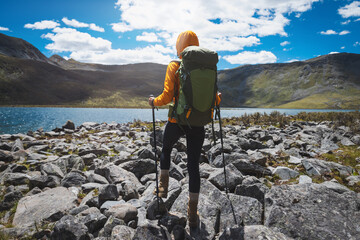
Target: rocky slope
329, 81
96, 181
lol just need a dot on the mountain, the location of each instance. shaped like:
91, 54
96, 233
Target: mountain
329, 81
19, 48
27, 77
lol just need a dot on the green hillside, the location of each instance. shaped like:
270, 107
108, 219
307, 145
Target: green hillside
330, 81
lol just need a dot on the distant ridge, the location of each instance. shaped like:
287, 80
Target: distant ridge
329, 81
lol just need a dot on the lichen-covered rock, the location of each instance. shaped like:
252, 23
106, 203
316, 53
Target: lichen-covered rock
297, 210
34, 209
70, 228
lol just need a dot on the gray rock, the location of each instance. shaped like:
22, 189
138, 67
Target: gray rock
297, 210
176, 172
89, 158
232, 233
122, 232
294, 160
263, 232
6, 156
255, 190
18, 145
108, 204
72, 179
69, 125
218, 161
115, 174
125, 212
233, 178
156, 208
352, 180
70, 228
335, 186
148, 177
108, 192
356, 139
249, 168
285, 173
96, 178
70, 162
109, 226
10, 200
98, 152
43, 182
34, 209
51, 169
303, 179
151, 231
15, 179
77, 210
93, 219
139, 167
319, 167
347, 142
87, 187
128, 191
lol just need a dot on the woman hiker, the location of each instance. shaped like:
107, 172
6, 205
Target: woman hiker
194, 135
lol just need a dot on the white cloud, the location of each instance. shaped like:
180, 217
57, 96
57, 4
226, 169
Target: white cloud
333, 52
86, 48
332, 32
4, 29
75, 23
350, 10
346, 22
357, 20
229, 43
328, 32
356, 44
94, 27
251, 57
293, 60
344, 32
284, 43
343, 47
148, 37
69, 39
155, 54
233, 20
45, 24
121, 27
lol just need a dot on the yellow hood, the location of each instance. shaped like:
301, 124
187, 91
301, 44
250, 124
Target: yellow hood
185, 39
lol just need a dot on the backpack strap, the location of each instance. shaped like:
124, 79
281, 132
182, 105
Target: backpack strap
176, 92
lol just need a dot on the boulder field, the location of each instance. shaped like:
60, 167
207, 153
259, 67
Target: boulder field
96, 181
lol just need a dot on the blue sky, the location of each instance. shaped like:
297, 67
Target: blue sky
132, 31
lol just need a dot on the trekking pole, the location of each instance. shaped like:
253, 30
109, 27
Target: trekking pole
224, 163
156, 161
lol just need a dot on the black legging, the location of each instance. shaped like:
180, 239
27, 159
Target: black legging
194, 141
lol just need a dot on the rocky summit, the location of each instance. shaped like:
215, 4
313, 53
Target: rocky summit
96, 181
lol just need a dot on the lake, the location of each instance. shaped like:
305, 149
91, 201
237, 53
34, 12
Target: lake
22, 119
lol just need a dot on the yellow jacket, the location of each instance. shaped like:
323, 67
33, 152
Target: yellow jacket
185, 39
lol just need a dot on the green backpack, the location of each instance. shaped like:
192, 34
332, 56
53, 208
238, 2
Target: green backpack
198, 87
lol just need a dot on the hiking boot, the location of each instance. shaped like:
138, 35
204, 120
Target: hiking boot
163, 184
193, 214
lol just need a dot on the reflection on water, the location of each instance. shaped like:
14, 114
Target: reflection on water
22, 119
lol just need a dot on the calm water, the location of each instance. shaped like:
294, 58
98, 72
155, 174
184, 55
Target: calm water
22, 119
